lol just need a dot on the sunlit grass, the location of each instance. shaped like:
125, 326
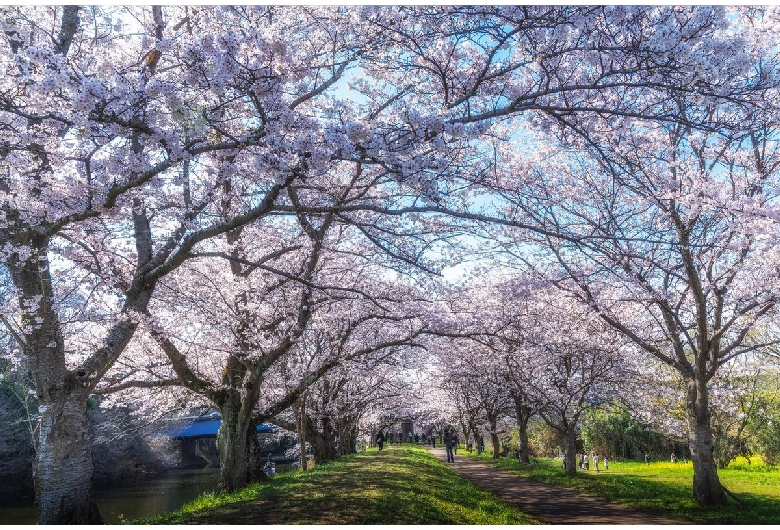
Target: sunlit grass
666, 488
400, 485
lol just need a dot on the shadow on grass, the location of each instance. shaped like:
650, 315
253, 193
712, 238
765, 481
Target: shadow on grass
649, 492
400, 485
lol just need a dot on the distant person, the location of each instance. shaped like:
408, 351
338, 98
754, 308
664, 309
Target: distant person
448, 445
433, 440
455, 443
481, 444
586, 462
674, 458
380, 440
606, 464
469, 444
596, 462
409, 437
269, 469
647, 458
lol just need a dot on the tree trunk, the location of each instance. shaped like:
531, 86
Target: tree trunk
495, 442
255, 458
707, 490
232, 447
321, 441
63, 464
523, 415
348, 433
522, 451
64, 467
302, 434
328, 451
570, 452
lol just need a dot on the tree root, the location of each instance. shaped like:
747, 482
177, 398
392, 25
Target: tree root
733, 496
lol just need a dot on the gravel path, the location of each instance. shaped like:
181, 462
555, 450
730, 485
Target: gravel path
552, 504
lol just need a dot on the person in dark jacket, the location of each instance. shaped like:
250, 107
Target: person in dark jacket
449, 444
380, 440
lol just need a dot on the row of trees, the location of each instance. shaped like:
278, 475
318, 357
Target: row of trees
551, 361
228, 204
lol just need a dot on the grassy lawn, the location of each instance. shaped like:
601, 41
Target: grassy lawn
400, 485
666, 488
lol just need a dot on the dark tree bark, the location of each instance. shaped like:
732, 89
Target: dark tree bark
494, 440
523, 414
63, 467
523, 453
707, 489
570, 452
232, 444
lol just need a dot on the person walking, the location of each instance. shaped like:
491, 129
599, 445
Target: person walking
448, 445
606, 464
647, 458
596, 462
380, 440
455, 443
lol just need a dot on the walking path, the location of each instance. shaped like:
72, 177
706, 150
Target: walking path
552, 504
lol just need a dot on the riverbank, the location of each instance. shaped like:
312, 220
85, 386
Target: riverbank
403, 484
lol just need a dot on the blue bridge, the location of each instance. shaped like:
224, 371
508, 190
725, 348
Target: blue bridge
207, 427
197, 434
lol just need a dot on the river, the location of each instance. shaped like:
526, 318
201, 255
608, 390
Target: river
127, 501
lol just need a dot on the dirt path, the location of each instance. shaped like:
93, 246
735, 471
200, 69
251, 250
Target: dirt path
553, 504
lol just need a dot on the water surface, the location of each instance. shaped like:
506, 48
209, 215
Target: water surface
126, 501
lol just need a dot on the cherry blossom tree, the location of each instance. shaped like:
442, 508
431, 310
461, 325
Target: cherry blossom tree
656, 228
481, 382
123, 129
356, 397
288, 331
550, 354
500, 306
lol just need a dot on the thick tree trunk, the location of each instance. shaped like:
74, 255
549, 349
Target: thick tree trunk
232, 447
522, 451
328, 451
494, 440
321, 441
256, 460
570, 453
523, 415
707, 490
347, 430
63, 466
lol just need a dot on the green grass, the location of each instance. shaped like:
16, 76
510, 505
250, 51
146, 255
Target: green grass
665, 488
400, 485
